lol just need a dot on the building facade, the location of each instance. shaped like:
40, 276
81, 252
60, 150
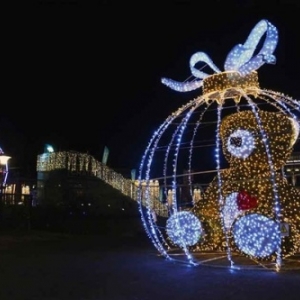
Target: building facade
292, 169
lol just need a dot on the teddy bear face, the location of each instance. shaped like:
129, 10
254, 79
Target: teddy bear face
254, 141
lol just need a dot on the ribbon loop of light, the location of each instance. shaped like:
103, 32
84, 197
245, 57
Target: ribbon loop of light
239, 59
201, 57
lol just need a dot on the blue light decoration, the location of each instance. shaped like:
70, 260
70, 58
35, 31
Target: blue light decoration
239, 59
249, 146
241, 143
184, 229
256, 235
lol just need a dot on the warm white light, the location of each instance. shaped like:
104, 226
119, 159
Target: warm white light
4, 159
49, 148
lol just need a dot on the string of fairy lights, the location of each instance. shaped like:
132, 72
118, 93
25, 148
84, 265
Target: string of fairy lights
246, 204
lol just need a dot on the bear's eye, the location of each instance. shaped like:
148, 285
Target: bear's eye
236, 141
241, 143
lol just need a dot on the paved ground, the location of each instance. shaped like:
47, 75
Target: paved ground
62, 267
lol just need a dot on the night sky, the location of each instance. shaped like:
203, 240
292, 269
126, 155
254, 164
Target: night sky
81, 77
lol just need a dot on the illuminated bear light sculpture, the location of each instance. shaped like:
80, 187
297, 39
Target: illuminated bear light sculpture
253, 189
246, 206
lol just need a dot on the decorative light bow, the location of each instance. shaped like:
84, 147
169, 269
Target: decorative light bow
240, 65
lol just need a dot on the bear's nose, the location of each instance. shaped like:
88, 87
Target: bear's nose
236, 141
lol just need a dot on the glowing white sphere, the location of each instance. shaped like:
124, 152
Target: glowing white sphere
184, 228
256, 235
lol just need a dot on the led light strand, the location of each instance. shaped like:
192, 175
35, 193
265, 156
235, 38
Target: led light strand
180, 130
150, 229
192, 143
159, 236
282, 103
148, 224
282, 106
196, 102
277, 207
284, 97
175, 115
220, 195
239, 58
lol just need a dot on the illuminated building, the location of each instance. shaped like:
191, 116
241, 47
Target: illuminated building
292, 169
75, 181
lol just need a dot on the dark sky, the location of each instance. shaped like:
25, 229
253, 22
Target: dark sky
85, 76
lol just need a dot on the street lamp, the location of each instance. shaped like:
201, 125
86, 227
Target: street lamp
4, 172
48, 149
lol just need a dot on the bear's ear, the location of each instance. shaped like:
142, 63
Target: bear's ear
295, 129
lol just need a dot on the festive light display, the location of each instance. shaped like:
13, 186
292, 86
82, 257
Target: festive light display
256, 235
252, 132
184, 228
82, 163
230, 210
241, 143
239, 58
251, 179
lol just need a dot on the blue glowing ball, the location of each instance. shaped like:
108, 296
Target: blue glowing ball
257, 235
184, 228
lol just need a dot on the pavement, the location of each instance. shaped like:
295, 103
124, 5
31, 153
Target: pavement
54, 266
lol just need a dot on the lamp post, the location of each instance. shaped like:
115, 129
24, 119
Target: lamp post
4, 172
